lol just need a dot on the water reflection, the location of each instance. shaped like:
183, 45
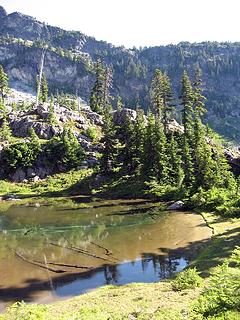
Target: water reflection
111, 242
146, 270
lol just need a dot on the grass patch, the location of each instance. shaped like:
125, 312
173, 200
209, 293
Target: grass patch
61, 184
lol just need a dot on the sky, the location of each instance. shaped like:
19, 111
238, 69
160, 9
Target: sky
139, 22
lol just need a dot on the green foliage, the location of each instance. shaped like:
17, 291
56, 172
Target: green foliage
221, 294
20, 310
51, 112
43, 96
97, 94
5, 131
91, 133
57, 184
221, 200
164, 192
3, 82
176, 174
187, 279
235, 257
21, 154
109, 141
65, 150
35, 141
161, 96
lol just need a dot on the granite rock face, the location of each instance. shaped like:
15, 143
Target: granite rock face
70, 57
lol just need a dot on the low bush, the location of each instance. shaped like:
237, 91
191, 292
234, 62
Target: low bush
91, 132
221, 295
187, 279
22, 154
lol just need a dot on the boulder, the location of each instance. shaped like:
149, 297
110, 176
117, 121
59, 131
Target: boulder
36, 179
43, 110
93, 117
174, 126
82, 167
176, 205
21, 126
84, 142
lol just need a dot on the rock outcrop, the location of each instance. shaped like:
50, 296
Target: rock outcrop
70, 57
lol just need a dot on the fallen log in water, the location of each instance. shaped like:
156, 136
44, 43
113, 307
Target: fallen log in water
81, 251
108, 252
36, 263
68, 265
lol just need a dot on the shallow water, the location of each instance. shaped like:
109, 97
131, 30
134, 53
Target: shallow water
49, 253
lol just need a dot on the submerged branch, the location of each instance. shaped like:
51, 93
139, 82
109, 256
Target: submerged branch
108, 252
36, 263
69, 265
81, 251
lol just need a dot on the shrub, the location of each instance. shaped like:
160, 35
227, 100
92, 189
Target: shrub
222, 293
91, 132
164, 192
22, 154
65, 150
235, 257
187, 279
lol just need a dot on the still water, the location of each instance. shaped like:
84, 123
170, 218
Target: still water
50, 252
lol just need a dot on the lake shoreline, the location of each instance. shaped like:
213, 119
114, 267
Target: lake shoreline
155, 294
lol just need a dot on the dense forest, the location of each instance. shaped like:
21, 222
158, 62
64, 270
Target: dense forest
185, 161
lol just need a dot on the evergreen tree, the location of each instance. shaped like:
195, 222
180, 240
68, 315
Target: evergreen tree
5, 132
205, 164
51, 112
176, 174
156, 93
188, 163
120, 105
34, 138
222, 173
107, 84
187, 97
129, 148
160, 153
3, 83
199, 99
43, 94
73, 153
97, 93
44, 89
109, 131
148, 160
3, 107
109, 141
139, 138
161, 95
167, 99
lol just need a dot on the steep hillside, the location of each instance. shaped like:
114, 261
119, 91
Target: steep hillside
70, 57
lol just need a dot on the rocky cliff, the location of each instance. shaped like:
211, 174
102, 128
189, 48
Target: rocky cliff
70, 57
